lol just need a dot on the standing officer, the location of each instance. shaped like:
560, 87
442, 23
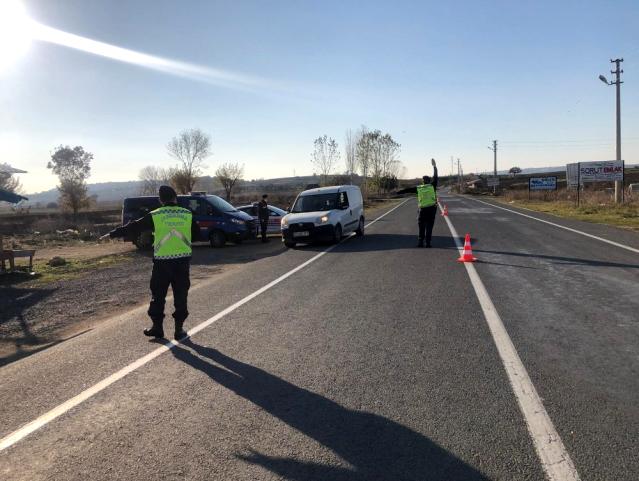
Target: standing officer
263, 214
173, 229
427, 201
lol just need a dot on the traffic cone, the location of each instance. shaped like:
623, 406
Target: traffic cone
445, 211
467, 255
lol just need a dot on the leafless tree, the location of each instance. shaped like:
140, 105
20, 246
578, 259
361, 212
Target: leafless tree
350, 146
73, 167
325, 156
228, 174
190, 148
377, 155
152, 177
8, 181
364, 153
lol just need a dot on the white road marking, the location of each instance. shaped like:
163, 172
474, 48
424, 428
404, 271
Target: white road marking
66, 406
552, 453
616, 244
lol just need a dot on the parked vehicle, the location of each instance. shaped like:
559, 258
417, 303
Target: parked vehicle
324, 214
274, 219
218, 220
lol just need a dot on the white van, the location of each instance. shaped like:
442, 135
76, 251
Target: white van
324, 214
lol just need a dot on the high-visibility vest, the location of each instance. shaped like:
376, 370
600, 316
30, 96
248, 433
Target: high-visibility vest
172, 232
426, 195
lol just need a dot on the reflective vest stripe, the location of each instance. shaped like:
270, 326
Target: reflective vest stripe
168, 237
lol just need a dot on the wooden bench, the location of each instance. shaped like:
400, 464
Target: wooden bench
11, 254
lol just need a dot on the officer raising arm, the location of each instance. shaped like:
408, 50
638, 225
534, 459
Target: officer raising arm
173, 230
427, 202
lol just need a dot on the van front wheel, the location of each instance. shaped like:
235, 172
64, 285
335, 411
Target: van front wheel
360, 229
217, 238
337, 235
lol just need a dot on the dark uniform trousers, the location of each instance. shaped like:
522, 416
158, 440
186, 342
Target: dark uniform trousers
263, 227
426, 221
173, 272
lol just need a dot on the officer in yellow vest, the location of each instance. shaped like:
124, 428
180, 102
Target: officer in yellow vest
427, 202
173, 230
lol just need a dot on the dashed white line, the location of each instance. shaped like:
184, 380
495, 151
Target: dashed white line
66, 406
552, 453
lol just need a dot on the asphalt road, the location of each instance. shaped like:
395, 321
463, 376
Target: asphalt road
373, 361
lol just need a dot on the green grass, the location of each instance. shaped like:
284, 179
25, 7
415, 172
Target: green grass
625, 216
45, 274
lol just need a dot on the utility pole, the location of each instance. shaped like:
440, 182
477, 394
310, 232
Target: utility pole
494, 149
617, 83
459, 176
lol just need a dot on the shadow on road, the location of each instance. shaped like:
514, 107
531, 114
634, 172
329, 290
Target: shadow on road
567, 261
382, 242
14, 328
376, 447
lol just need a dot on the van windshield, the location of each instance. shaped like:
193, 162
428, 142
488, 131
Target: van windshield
317, 202
220, 204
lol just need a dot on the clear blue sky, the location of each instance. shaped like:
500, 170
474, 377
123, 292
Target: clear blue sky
444, 78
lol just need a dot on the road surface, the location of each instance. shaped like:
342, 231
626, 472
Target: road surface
372, 360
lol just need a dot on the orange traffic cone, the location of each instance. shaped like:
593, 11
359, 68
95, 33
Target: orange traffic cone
445, 211
467, 255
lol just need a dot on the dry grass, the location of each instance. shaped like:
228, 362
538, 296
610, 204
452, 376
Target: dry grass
595, 206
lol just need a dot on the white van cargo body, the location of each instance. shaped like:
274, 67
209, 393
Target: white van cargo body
324, 214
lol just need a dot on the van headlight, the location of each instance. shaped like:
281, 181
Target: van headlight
322, 220
237, 221
284, 222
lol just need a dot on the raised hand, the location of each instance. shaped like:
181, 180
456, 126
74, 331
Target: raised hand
432, 161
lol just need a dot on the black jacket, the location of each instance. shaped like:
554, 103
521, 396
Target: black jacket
262, 210
143, 224
413, 190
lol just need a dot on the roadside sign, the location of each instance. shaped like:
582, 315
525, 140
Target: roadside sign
493, 181
542, 183
601, 171
572, 175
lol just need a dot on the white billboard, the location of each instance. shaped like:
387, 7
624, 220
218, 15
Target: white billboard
601, 171
493, 181
597, 171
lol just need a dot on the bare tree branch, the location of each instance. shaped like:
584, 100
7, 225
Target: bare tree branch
228, 175
190, 148
325, 156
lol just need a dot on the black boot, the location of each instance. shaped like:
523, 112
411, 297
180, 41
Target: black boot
179, 332
155, 330
420, 243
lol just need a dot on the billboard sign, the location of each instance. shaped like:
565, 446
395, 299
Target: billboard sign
493, 181
597, 171
542, 183
601, 171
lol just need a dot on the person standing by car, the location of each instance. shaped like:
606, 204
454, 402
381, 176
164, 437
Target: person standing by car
173, 230
427, 202
263, 215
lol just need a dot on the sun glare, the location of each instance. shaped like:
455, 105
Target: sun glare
16, 32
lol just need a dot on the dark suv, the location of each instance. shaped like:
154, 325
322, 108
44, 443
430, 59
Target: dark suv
218, 220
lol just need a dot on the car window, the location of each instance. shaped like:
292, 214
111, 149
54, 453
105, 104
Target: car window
343, 200
273, 213
316, 203
220, 204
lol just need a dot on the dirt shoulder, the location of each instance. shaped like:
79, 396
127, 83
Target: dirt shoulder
97, 282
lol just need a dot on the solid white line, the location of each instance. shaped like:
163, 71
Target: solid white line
552, 453
66, 406
616, 244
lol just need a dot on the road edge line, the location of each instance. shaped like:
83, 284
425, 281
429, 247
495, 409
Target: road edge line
552, 453
44, 419
576, 231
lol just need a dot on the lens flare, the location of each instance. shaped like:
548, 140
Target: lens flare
16, 30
